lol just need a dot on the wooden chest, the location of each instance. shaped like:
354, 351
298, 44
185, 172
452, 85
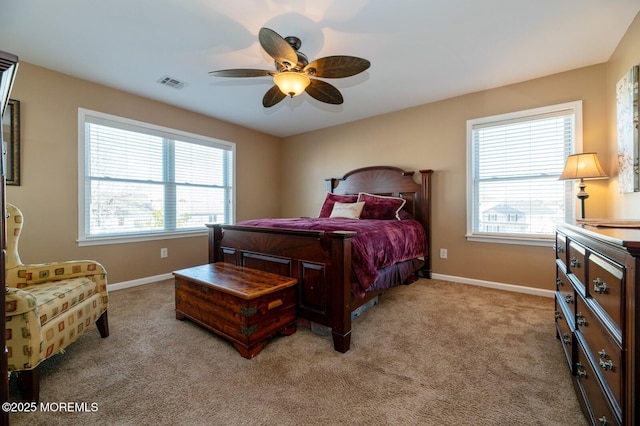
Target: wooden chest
244, 305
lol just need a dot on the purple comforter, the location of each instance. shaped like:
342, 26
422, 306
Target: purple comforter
378, 243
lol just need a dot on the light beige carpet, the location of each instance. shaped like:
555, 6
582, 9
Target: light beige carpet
432, 353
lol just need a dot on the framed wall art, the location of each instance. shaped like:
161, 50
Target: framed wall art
627, 121
11, 142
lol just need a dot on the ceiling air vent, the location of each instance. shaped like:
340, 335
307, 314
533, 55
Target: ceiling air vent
172, 82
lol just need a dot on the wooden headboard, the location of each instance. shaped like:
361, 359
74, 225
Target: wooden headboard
392, 181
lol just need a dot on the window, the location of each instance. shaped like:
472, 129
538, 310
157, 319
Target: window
513, 164
139, 181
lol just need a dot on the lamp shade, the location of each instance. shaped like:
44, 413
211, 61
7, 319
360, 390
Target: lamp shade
583, 166
291, 83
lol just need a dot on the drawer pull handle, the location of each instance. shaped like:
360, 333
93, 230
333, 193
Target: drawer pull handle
568, 298
566, 339
599, 286
558, 315
559, 282
580, 319
604, 361
603, 421
274, 304
269, 306
575, 263
581, 372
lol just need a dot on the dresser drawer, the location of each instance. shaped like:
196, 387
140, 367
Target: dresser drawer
561, 248
606, 286
562, 282
565, 290
564, 330
598, 407
604, 350
576, 258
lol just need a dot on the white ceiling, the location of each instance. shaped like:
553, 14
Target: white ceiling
420, 50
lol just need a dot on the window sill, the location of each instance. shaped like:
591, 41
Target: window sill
506, 239
98, 241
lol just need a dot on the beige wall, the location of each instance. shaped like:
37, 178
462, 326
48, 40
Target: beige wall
49, 104
434, 136
621, 206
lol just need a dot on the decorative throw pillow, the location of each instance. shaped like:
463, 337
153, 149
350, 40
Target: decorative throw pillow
380, 207
330, 199
347, 210
403, 215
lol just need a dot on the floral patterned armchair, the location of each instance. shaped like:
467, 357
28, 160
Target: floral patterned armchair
48, 306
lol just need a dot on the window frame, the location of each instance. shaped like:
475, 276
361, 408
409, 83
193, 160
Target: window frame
570, 205
83, 239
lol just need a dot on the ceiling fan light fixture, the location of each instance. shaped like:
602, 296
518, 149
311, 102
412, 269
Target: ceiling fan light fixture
291, 83
293, 70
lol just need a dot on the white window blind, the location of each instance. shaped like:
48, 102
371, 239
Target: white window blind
140, 181
514, 164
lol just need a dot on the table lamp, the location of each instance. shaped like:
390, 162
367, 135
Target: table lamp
583, 166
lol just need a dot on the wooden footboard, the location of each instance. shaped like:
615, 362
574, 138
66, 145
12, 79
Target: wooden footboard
320, 261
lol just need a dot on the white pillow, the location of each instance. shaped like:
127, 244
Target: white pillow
347, 210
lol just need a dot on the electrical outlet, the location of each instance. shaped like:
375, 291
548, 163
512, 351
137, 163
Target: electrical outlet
443, 253
164, 252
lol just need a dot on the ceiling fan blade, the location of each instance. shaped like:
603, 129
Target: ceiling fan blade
241, 73
272, 97
337, 66
278, 48
324, 92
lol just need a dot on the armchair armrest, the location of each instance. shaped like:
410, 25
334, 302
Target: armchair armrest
18, 302
27, 275
23, 332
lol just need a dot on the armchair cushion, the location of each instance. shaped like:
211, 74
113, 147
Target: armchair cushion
59, 296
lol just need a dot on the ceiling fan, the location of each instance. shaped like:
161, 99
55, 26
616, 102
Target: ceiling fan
293, 70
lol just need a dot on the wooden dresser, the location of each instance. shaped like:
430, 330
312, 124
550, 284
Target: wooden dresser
597, 322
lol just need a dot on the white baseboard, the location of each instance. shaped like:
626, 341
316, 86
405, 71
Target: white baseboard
139, 281
461, 280
499, 286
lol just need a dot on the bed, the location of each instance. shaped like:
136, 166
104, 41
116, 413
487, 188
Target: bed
322, 258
